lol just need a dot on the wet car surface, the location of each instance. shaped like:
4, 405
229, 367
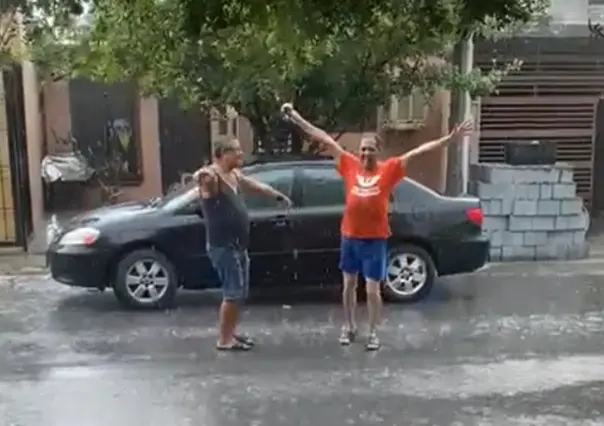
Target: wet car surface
513, 345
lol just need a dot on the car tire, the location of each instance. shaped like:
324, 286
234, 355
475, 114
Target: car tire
145, 279
398, 274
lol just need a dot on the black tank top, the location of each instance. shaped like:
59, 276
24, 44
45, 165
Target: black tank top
226, 218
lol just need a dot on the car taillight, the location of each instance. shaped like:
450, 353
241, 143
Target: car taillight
475, 216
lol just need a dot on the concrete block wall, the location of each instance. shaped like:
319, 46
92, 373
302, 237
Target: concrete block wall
530, 212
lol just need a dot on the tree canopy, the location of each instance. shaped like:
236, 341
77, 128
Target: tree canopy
335, 60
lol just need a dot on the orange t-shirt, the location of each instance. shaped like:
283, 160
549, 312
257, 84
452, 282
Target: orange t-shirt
367, 196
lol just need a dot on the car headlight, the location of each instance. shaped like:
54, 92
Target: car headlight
80, 237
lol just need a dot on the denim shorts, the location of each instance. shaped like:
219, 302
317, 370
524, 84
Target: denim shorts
232, 266
367, 257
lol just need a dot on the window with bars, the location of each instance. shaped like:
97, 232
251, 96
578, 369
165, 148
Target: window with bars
408, 109
412, 107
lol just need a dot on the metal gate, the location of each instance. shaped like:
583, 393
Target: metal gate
598, 175
105, 125
15, 202
185, 142
552, 98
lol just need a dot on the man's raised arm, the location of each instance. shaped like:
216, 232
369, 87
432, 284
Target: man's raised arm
456, 133
333, 147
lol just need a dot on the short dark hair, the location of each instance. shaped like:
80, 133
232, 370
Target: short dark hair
222, 147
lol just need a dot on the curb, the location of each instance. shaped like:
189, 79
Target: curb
590, 260
24, 272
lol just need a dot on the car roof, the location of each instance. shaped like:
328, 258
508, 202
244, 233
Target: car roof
288, 160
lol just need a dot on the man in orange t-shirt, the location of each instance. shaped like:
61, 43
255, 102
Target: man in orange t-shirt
365, 228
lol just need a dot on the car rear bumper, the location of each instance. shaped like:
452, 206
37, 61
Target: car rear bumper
79, 266
462, 257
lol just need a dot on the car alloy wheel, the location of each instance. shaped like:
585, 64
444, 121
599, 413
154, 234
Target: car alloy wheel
406, 274
147, 281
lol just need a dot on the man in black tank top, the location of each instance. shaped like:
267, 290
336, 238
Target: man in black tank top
227, 233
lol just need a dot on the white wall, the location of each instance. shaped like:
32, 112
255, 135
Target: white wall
568, 18
569, 11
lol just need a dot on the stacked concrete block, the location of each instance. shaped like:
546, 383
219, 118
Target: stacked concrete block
531, 212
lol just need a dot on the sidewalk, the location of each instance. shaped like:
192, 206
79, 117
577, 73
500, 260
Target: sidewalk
15, 262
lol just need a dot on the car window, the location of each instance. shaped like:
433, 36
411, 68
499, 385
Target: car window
322, 186
280, 179
411, 190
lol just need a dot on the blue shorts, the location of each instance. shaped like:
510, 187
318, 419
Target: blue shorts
233, 268
367, 257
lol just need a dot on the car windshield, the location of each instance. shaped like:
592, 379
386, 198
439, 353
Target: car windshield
182, 196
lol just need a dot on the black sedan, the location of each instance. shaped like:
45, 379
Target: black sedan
146, 251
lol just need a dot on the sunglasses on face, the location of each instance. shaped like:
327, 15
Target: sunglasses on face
368, 149
227, 150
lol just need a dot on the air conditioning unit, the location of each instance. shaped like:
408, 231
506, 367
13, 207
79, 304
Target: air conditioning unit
406, 113
224, 127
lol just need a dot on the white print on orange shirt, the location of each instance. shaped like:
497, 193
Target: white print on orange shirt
366, 186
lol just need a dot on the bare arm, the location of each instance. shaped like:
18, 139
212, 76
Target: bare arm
459, 130
333, 147
252, 185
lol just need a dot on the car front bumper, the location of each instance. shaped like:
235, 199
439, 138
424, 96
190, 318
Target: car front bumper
79, 266
460, 257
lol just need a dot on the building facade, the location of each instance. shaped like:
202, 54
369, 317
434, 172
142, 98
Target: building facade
556, 94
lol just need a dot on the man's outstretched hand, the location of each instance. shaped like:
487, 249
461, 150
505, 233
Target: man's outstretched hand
288, 112
462, 129
286, 202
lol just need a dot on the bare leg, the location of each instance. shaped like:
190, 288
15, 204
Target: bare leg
349, 304
244, 262
374, 303
234, 276
228, 316
374, 309
349, 300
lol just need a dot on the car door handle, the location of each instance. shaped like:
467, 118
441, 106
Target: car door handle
280, 221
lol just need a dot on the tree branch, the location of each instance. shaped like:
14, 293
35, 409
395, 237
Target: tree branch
596, 30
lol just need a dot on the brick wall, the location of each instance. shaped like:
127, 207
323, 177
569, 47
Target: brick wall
531, 212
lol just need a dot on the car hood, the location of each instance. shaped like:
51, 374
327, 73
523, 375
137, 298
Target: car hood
113, 213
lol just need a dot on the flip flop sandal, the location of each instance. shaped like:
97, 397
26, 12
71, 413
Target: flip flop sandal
235, 347
242, 338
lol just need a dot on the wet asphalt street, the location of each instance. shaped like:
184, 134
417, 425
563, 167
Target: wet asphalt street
513, 345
